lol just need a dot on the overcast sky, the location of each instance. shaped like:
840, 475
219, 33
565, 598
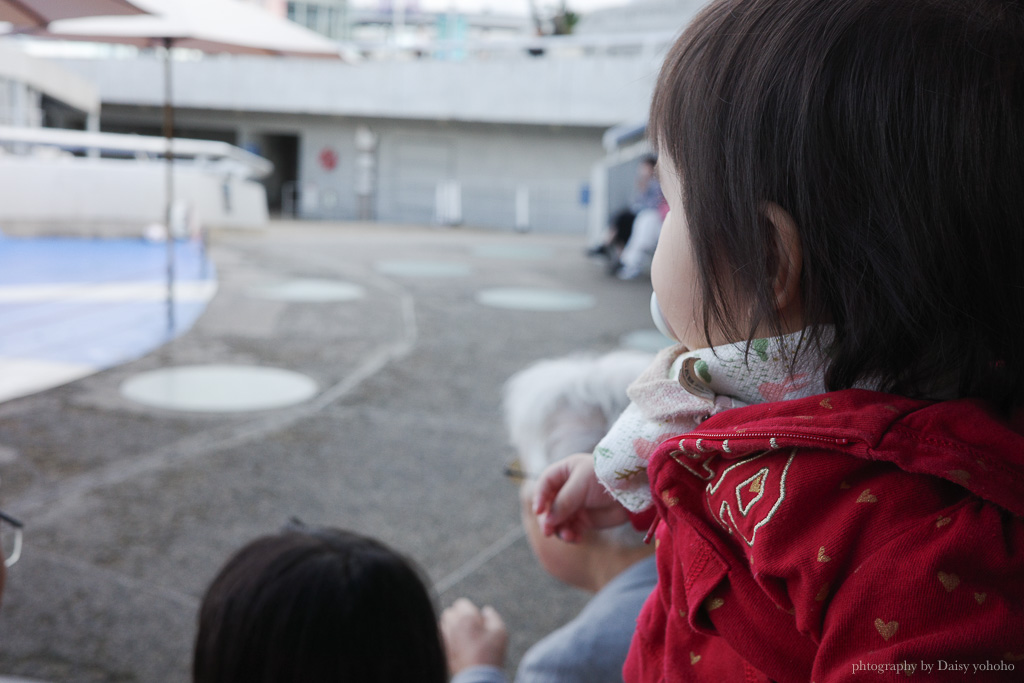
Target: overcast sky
498, 6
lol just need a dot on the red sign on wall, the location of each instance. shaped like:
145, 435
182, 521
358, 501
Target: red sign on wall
328, 159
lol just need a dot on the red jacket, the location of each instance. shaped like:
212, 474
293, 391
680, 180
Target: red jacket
837, 538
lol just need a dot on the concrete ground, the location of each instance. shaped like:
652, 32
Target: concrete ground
130, 510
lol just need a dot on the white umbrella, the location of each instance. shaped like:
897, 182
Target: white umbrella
207, 25
32, 13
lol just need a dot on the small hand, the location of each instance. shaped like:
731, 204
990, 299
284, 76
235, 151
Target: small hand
570, 499
473, 636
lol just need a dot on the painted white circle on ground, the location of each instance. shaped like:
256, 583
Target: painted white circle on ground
219, 388
645, 340
310, 290
7, 456
525, 252
423, 268
526, 299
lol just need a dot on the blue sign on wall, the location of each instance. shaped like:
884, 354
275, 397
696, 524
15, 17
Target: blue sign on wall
585, 194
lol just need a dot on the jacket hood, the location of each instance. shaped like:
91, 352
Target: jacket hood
964, 441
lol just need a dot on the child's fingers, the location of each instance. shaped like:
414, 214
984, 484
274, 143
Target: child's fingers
473, 636
571, 525
563, 526
492, 620
461, 608
569, 533
551, 480
567, 512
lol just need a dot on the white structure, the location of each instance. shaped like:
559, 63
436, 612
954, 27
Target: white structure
108, 184
117, 188
393, 22
508, 136
33, 89
498, 124
329, 17
639, 16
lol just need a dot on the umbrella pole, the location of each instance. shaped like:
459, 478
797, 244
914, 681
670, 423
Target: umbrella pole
169, 159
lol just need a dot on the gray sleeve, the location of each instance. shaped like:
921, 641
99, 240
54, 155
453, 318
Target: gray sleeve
480, 674
556, 660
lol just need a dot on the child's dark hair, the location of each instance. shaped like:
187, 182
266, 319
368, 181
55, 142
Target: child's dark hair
892, 131
318, 606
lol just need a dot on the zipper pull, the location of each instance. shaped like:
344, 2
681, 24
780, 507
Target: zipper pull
650, 532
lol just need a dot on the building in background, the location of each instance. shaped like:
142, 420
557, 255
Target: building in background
639, 16
487, 125
108, 185
36, 93
328, 17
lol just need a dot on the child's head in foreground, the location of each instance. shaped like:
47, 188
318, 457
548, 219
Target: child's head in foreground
853, 163
317, 606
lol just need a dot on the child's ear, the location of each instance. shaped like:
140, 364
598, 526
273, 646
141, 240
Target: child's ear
789, 257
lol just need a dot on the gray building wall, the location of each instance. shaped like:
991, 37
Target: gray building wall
33, 90
511, 131
599, 90
489, 161
640, 16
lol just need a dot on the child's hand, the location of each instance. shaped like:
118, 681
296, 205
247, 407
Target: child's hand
473, 636
570, 500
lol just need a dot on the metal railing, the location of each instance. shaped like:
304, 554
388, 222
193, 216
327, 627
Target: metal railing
523, 207
527, 47
228, 158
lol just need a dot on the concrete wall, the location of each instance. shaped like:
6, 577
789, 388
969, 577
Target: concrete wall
640, 16
509, 129
46, 77
490, 161
600, 91
116, 197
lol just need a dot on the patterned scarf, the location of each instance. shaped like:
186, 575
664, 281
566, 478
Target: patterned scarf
683, 388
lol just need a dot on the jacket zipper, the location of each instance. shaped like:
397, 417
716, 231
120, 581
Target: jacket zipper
767, 435
839, 441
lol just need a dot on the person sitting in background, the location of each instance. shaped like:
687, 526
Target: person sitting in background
318, 605
638, 253
552, 409
646, 195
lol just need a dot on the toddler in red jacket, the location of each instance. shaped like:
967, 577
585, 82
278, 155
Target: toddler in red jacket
831, 460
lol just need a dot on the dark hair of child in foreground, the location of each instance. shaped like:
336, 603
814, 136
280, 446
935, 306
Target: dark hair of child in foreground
317, 605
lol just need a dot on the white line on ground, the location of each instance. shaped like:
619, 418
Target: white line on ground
479, 560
